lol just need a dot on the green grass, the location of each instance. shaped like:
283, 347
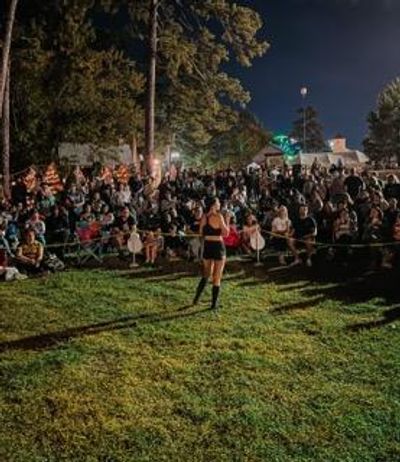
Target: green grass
106, 366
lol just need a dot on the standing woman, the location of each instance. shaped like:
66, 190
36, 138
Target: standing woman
213, 228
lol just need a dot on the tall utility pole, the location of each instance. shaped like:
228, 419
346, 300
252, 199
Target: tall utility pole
151, 87
304, 93
6, 50
5, 134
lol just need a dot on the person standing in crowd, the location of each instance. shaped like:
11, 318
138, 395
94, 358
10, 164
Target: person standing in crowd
214, 227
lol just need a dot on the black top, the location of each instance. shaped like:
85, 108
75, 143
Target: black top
304, 227
125, 224
208, 230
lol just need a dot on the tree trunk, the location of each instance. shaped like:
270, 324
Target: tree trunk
135, 157
168, 151
151, 87
6, 49
6, 137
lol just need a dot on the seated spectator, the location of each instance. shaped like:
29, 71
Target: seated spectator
121, 197
122, 229
30, 254
97, 204
392, 188
390, 217
194, 243
106, 218
7, 271
281, 234
4, 244
87, 216
47, 200
174, 243
232, 240
76, 201
151, 247
344, 234
305, 231
373, 227
250, 227
38, 226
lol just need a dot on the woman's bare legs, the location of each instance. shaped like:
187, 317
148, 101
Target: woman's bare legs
217, 274
208, 267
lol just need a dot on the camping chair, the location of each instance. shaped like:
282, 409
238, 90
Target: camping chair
89, 243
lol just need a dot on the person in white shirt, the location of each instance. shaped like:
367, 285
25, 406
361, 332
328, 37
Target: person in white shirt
282, 231
122, 196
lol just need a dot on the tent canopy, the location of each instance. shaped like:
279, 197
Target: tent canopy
347, 159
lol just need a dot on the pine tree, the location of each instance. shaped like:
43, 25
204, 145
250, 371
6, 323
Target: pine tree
383, 139
195, 97
313, 131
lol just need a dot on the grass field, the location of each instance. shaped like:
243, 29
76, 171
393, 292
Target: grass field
111, 366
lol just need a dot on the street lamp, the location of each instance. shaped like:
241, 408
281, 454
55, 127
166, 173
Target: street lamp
304, 93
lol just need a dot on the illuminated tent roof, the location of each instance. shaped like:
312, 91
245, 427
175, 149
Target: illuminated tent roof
347, 158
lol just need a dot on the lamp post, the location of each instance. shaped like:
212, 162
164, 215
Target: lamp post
304, 93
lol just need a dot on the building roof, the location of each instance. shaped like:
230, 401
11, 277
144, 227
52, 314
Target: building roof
347, 158
269, 151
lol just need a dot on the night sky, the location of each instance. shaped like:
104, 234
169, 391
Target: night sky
345, 51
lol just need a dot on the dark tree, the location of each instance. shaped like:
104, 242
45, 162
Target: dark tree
312, 131
383, 139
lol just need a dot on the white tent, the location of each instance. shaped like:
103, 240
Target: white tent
86, 154
347, 158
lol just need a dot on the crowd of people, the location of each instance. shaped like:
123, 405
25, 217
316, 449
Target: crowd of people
296, 209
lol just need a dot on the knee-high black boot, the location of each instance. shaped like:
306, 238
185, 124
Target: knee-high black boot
199, 291
215, 294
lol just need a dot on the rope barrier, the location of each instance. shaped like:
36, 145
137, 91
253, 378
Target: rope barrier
199, 236
333, 244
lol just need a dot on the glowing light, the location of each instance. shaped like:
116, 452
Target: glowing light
289, 147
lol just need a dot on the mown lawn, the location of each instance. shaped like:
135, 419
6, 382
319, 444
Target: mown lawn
111, 366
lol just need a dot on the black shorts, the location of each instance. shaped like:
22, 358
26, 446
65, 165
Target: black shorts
279, 243
214, 250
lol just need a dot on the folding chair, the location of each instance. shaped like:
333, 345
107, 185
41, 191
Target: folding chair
90, 244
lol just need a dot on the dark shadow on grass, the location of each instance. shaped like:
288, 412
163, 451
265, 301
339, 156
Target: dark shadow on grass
303, 305
55, 339
389, 317
352, 284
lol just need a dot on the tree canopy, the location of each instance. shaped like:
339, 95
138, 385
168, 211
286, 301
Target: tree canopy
383, 139
78, 72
